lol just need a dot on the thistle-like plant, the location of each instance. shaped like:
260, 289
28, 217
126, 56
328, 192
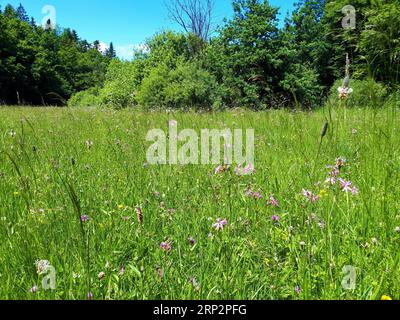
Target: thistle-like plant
345, 90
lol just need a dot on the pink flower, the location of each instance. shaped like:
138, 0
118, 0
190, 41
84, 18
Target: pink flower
309, 195
220, 224
84, 218
90, 296
275, 218
272, 201
354, 191
345, 185
34, 289
166, 246
247, 170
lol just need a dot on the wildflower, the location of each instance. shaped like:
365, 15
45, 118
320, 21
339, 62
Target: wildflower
386, 298
33, 290
101, 275
90, 296
321, 225
397, 229
139, 213
41, 266
247, 170
160, 272
302, 244
347, 186
12, 133
272, 201
166, 246
84, 218
194, 283
354, 191
275, 218
221, 169
76, 275
89, 144
322, 193
340, 162
121, 206
257, 195
374, 241
121, 271
220, 224
297, 289
192, 241
344, 92
354, 131
309, 195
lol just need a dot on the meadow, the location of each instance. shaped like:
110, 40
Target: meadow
76, 193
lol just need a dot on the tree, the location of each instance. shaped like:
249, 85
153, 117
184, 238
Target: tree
243, 56
21, 13
194, 16
110, 52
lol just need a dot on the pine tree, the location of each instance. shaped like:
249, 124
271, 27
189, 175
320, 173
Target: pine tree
9, 11
110, 52
21, 13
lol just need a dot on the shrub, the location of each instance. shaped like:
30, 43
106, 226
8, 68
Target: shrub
122, 80
87, 98
187, 86
365, 93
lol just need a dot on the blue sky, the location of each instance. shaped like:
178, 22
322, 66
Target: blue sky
127, 23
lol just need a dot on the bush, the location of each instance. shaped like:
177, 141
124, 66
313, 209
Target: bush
87, 98
302, 83
365, 93
187, 86
122, 80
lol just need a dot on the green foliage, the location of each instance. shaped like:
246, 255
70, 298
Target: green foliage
86, 98
90, 162
366, 93
121, 83
186, 87
44, 67
379, 43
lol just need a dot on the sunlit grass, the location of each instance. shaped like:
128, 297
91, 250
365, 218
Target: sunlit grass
59, 164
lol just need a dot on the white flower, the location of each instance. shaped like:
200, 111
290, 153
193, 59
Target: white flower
344, 92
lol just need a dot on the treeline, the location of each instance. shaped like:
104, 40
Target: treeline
250, 62
45, 67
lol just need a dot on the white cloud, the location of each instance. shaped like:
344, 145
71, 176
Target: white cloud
103, 47
126, 51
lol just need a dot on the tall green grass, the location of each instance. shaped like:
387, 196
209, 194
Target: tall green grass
64, 163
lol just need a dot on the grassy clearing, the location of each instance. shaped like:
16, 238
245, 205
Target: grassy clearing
59, 164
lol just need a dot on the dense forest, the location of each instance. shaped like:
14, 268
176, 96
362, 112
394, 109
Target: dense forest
249, 62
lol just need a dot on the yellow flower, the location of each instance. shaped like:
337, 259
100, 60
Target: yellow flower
120, 206
322, 193
16, 194
386, 298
